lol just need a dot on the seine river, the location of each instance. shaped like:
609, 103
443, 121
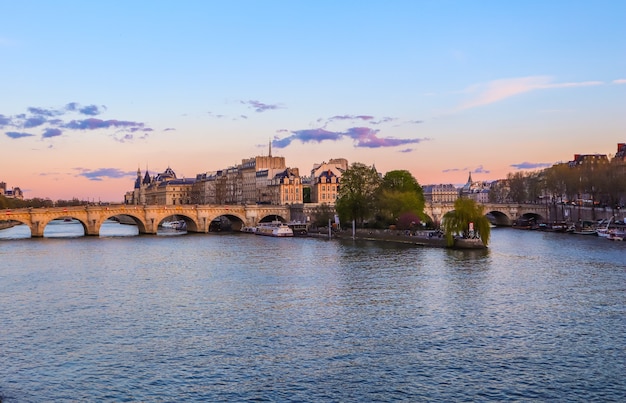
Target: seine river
238, 317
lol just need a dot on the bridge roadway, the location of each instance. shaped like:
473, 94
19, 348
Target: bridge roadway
147, 218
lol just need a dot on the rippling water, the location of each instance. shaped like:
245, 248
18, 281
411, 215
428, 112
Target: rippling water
246, 318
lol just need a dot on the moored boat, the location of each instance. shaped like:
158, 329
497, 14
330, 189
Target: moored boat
616, 234
274, 228
298, 228
248, 230
583, 228
177, 224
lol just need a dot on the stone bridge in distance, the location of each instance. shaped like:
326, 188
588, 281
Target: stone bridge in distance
199, 217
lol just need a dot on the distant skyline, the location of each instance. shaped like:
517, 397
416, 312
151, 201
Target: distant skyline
92, 91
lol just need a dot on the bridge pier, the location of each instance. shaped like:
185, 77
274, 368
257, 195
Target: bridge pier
36, 230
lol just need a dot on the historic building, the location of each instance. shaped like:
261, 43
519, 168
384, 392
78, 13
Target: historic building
13, 193
477, 191
442, 193
249, 169
588, 160
163, 188
286, 187
620, 155
325, 180
260, 179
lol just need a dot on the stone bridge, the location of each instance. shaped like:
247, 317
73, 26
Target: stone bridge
197, 217
504, 214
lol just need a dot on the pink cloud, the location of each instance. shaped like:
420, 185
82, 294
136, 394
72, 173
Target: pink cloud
498, 90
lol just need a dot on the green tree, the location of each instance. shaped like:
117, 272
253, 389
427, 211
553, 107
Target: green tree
321, 214
399, 193
392, 204
517, 187
457, 221
356, 199
401, 181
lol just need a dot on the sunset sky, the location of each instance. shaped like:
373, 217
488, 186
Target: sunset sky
90, 91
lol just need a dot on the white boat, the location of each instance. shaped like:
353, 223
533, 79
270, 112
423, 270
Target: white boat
605, 232
249, 230
178, 225
616, 235
274, 228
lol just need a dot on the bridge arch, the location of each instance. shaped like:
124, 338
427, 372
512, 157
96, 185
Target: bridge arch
147, 217
227, 221
141, 225
272, 217
499, 219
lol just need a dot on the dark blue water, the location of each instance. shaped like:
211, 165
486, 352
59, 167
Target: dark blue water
247, 318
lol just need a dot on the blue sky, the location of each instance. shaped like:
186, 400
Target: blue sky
91, 91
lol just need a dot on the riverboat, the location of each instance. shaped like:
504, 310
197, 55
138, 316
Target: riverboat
557, 226
298, 228
177, 225
248, 230
583, 228
276, 229
616, 236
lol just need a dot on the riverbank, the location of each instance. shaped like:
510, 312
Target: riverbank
418, 238
432, 239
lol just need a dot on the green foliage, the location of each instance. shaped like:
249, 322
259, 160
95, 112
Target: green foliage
356, 199
401, 181
457, 221
321, 214
398, 194
517, 187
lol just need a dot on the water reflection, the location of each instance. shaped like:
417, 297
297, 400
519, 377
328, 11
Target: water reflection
236, 317
71, 228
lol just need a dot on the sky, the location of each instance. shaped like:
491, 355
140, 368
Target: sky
91, 91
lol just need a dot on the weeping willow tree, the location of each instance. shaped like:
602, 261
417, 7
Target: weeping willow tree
457, 222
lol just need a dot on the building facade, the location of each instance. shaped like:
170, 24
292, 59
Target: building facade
260, 179
442, 193
163, 188
325, 180
13, 193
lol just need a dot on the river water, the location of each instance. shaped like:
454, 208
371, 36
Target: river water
238, 317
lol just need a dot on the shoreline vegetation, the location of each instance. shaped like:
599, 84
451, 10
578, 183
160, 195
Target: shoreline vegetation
429, 238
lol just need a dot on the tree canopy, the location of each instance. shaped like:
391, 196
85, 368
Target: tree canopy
457, 221
400, 195
357, 191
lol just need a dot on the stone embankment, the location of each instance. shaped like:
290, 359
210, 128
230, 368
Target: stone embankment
418, 238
